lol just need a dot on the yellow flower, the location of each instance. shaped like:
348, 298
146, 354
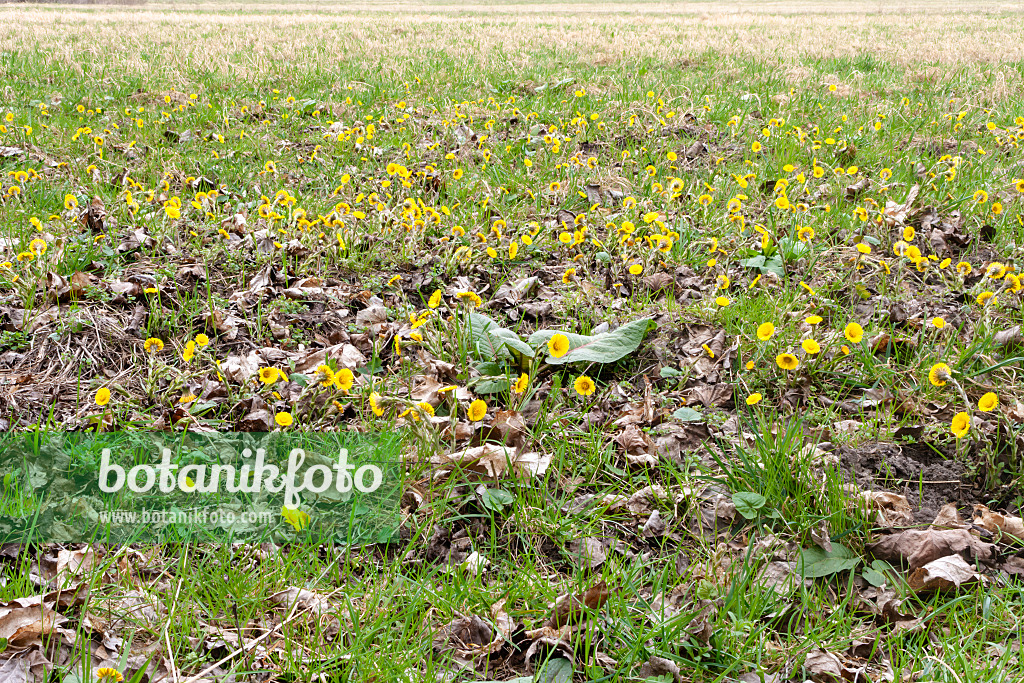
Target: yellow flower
268, 375
787, 361
981, 196
985, 297
722, 301
558, 345
153, 345
568, 275
938, 322
70, 203
106, 674
102, 396
723, 282
37, 246
435, 299
343, 379
964, 268
297, 518
477, 410
861, 213
863, 248
765, 331
187, 398
988, 402
584, 386
961, 424
805, 233
854, 333
328, 375
375, 404
283, 419
202, 339
939, 374
190, 351
519, 386
908, 233
753, 399
636, 269
845, 349
513, 249
810, 346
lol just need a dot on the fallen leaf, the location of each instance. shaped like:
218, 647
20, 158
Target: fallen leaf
943, 574
917, 548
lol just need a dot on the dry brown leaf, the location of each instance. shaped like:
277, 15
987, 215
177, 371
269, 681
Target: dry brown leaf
893, 509
571, 608
302, 599
999, 524
943, 574
918, 547
948, 518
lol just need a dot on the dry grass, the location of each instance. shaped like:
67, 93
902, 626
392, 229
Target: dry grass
274, 38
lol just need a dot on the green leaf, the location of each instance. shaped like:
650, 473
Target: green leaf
685, 414
606, 347
496, 499
491, 341
815, 563
667, 372
874, 577
748, 503
557, 670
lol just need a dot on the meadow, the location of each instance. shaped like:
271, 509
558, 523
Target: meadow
701, 322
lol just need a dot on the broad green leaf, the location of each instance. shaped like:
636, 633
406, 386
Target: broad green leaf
606, 347
491, 341
815, 563
874, 577
748, 503
667, 372
556, 670
685, 414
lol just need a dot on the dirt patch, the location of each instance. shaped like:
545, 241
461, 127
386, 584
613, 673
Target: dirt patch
929, 476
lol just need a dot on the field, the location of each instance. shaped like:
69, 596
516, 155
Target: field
700, 322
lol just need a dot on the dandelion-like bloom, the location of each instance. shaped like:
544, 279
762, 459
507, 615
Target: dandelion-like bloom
102, 397
961, 424
813, 320
344, 379
70, 203
985, 297
765, 331
558, 345
284, 419
636, 269
202, 339
435, 299
753, 399
108, 674
153, 345
584, 386
519, 386
269, 375
190, 351
863, 248
964, 268
810, 346
722, 301
477, 410
327, 373
988, 402
375, 404
938, 322
787, 361
854, 333
37, 246
939, 374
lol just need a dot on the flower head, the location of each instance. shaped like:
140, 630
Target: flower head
283, 419
939, 374
270, 375
584, 386
765, 331
810, 346
753, 399
558, 345
988, 402
202, 339
108, 674
153, 345
519, 386
375, 404
961, 424
787, 361
477, 410
854, 333
102, 396
343, 379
